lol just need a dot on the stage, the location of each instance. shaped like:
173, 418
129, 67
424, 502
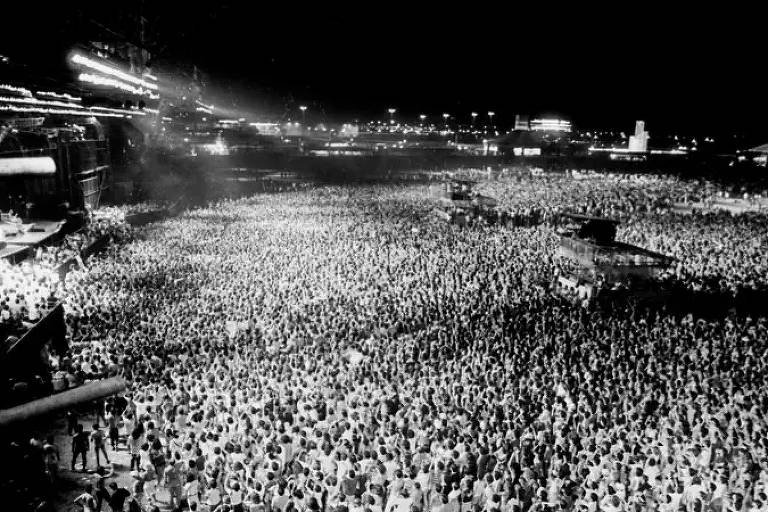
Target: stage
34, 233
21, 239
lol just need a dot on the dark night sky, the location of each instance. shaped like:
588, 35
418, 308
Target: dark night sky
693, 70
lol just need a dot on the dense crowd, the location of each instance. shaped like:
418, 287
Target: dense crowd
24, 293
340, 350
714, 251
29, 290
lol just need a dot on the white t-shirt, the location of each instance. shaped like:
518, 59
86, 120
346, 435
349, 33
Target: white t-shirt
191, 490
214, 497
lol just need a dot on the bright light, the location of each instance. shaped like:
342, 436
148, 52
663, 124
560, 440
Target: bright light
422, 117
29, 103
446, 116
108, 70
303, 108
57, 96
491, 113
35, 101
17, 90
111, 82
117, 110
392, 111
46, 110
474, 114
204, 110
208, 107
553, 125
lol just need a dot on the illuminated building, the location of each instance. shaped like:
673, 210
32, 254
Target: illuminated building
639, 141
550, 125
272, 129
522, 123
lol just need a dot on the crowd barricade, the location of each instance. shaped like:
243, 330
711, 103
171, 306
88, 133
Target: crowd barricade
22, 357
49, 328
20, 255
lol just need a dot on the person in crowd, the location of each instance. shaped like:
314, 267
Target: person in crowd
80, 445
98, 442
86, 501
118, 497
52, 459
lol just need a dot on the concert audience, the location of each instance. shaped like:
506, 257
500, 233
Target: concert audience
338, 349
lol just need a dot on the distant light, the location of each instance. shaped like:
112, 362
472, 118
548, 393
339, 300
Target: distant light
30, 105
491, 113
392, 110
303, 108
474, 114
117, 84
108, 70
209, 107
117, 110
241, 120
57, 96
55, 111
554, 125
17, 90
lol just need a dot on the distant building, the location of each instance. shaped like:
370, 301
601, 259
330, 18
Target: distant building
271, 129
550, 125
522, 123
349, 130
639, 141
760, 155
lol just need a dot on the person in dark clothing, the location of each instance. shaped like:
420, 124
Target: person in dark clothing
80, 445
71, 422
482, 462
101, 494
119, 495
